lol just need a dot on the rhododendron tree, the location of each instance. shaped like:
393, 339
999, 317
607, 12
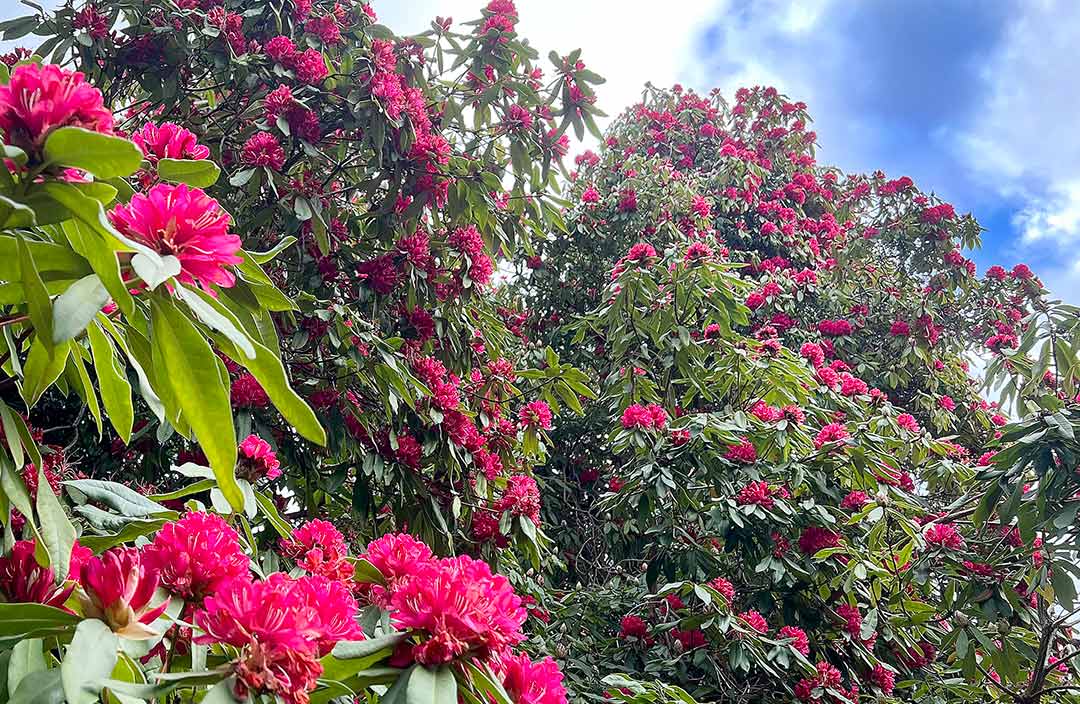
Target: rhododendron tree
325, 379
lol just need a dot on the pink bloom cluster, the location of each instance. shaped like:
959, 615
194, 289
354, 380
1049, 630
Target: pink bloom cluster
639, 417
38, 99
186, 223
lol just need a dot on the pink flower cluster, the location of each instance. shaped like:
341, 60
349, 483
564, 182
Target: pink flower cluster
186, 223
639, 417
38, 99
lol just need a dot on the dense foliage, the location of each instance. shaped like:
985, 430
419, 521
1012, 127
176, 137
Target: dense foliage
325, 379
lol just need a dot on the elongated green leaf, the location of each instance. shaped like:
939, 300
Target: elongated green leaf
266, 505
145, 387
118, 497
103, 260
39, 688
220, 320
428, 686
42, 369
268, 255
47, 256
75, 308
37, 297
350, 657
201, 173
192, 369
77, 370
90, 658
27, 657
113, 383
54, 528
103, 155
34, 620
267, 368
91, 213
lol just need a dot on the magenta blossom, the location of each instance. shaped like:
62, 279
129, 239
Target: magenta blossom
186, 223
39, 99
118, 586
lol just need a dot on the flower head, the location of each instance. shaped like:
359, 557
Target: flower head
22, 579
117, 588
196, 555
38, 99
257, 459
398, 557
456, 606
529, 682
168, 141
186, 223
319, 548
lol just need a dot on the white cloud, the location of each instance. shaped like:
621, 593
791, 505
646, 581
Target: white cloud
628, 43
1055, 216
1023, 143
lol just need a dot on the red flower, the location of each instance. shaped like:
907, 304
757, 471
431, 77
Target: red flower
247, 392
726, 589
529, 682
855, 500
196, 555
744, 452
117, 588
943, 535
757, 493
38, 99
815, 538
755, 621
833, 432
798, 638
521, 498
263, 149
310, 67
908, 422
23, 580
168, 141
535, 414
186, 223
456, 606
257, 460
633, 627
883, 678
318, 547
398, 556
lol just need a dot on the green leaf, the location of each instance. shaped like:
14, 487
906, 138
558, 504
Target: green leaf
118, 497
267, 368
428, 686
268, 255
221, 693
103, 259
75, 308
91, 213
55, 527
103, 155
350, 657
40, 688
113, 383
210, 316
192, 369
266, 505
90, 658
37, 297
42, 369
200, 173
155, 271
27, 657
34, 620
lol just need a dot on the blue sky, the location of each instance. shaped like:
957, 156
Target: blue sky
971, 98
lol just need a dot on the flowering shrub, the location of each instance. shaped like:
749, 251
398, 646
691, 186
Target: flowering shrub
318, 287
